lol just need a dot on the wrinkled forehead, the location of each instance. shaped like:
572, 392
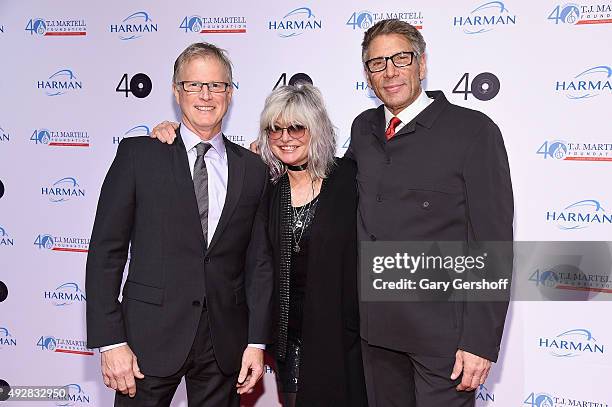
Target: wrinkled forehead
388, 44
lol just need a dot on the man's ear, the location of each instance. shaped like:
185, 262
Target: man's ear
422, 67
176, 92
230, 92
367, 75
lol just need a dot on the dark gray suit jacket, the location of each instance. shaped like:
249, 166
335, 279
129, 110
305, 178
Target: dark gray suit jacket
148, 201
444, 176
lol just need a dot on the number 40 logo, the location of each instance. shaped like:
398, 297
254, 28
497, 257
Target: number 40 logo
485, 86
569, 14
539, 400
140, 85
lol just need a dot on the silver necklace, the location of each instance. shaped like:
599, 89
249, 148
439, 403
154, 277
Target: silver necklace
300, 218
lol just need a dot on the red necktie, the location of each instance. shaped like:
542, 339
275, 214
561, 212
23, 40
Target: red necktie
392, 126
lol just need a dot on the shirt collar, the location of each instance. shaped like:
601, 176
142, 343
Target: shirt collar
411, 111
191, 140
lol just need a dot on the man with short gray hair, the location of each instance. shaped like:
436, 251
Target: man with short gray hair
428, 170
197, 301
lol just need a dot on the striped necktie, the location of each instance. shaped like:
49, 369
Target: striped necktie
200, 185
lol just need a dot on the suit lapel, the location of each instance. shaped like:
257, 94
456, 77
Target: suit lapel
407, 129
378, 125
184, 184
235, 178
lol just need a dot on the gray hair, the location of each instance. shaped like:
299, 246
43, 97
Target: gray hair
394, 26
299, 105
202, 50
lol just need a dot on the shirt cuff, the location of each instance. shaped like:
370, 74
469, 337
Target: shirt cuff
258, 346
109, 347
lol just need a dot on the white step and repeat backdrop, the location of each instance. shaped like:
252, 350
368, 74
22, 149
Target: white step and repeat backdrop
79, 76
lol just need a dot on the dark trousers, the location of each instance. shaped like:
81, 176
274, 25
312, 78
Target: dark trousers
407, 380
206, 385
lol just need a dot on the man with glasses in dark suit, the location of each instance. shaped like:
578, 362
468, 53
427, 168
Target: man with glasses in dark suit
428, 170
197, 302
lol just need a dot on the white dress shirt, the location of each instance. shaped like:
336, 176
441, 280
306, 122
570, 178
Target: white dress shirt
410, 112
216, 166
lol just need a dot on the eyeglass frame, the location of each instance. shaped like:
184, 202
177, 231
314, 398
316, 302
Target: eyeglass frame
208, 86
283, 129
386, 59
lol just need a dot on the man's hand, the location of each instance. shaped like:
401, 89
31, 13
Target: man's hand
119, 367
251, 369
164, 132
475, 370
253, 147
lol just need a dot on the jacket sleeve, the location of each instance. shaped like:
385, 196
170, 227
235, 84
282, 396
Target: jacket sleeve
108, 251
259, 273
490, 215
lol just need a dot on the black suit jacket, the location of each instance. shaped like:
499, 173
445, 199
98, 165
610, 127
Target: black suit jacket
330, 326
148, 201
444, 176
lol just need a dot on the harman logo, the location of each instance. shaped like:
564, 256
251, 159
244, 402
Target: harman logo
296, 22
135, 131
580, 215
5, 239
484, 18
60, 82
4, 135
65, 294
1, 28
572, 343
63, 190
60, 138
587, 84
365, 89
56, 27
6, 339
134, 26
62, 243
365, 19
483, 394
576, 14
564, 151
548, 400
75, 396
62, 345
214, 24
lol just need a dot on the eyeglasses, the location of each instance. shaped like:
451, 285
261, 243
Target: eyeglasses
400, 60
196, 87
295, 131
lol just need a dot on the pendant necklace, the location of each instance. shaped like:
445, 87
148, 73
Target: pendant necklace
300, 219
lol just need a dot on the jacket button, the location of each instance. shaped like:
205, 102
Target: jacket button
378, 198
206, 259
388, 160
196, 303
426, 204
373, 237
